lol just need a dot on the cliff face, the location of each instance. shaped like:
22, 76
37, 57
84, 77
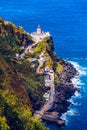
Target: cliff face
8, 30
22, 86
65, 89
21, 89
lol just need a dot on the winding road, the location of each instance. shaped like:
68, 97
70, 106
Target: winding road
28, 48
48, 104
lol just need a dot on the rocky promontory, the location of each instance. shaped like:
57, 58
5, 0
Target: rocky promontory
63, 92
33, 81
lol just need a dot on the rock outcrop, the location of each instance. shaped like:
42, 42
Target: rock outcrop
22, 88
63, 92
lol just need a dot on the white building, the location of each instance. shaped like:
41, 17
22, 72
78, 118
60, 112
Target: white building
39, 34
39, 30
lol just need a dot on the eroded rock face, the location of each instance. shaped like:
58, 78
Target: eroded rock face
65, 89
60, 122
63, 92
53, 117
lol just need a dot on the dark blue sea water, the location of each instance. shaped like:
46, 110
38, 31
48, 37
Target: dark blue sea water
66, 20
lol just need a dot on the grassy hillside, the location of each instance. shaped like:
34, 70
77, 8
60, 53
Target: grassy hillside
21, 89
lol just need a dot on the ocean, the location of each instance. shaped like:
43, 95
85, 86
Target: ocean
66, 20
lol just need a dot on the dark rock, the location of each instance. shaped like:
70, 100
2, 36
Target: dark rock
63, 92
77, 89
53, 117
60, 122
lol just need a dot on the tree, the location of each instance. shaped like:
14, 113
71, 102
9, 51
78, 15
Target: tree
3, 124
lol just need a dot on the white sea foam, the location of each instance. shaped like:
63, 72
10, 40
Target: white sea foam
77, 94
82, 70
73, 102
77, 83
72, 112
77, 80
66, 116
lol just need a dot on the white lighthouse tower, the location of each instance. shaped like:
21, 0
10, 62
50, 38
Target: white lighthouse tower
38, 29
39, 34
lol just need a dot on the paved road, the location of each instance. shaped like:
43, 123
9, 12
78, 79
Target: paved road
40, 65
27, 49
48, 104
41, 62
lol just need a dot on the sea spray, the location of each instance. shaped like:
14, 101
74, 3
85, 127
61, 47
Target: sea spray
77, 83
81, 69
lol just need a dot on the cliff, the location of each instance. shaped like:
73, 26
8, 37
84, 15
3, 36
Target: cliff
21, 89
29, 71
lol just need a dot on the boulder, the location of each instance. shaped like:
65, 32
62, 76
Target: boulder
60, 122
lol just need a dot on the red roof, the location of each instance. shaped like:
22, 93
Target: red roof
38, 26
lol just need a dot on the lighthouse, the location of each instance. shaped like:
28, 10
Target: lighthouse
38, 29
39, 34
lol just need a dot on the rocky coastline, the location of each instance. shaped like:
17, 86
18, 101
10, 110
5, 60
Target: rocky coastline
43, 84
63, 93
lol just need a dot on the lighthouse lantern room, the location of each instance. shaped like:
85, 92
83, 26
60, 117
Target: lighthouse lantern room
38, 29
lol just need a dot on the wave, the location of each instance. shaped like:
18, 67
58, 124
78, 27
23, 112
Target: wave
77, 83
70, 113
77, 94
82, 70
73, 102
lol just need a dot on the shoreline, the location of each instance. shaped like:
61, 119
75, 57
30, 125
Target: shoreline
63, 93
75, 82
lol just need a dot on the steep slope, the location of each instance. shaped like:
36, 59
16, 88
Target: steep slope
20, 90
32, 80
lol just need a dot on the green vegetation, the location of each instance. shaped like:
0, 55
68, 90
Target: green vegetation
33, 82
56, 80
45, 46
15, 104
49, 61
41, 46
21, 89
59, 68
3, 124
